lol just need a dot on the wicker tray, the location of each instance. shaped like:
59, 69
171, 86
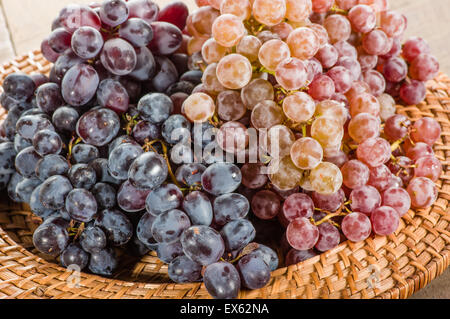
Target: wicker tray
380, 267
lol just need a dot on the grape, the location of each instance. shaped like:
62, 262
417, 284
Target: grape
355, 173
59, 40
322, 88
364, 126
376, 82
48, 53
213, 52
228, 30
230, 106
84, 153
266, 114
367, 61
26, 162
279, 141
374, 151
234, 71
284, 174
253, 175
397, 198
342, 78
403, 167
322, 6
175, 13
332, 109
304, 43
136, 31
74, 16
221, 178
28, 125
100, 165
183, 270
114, 12
81, 205
111, 94
298, 10
268, 255
395, 70
329, 237
414, 47
257, 91
327, 56
306, 153
169, 251
210, 80
98, 126
255, 273
199, 107
79, 84
269, 12
36, 206
380, 177
103, 262
130, 198
144, 231
175, 129
190, 174
339, 159
426, 130
169, 226
144, 9
7, 158
297, 205
47, 142
356, 227
74, 255
299, 107
222, 280
327, 131
233, 137
19, 86
362, 18
326, 178
25, 188
198, 207
266, 204
105, 195
346, 4
50, 239
413, 92
202, 244
365, 199
155, 107
167, 38
51, 165
272, 53
424, 67
82, 176
385, 220
237, 234
15, 179
229, 207
199, 24
428, 166
118, 57
65, 119
301, 234
48, 97
249, 46
116, 226
291, 74
297, 256
338, 28
164, 198
396, 127
87, 42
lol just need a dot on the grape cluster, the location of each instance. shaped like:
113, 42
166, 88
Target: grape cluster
232, 140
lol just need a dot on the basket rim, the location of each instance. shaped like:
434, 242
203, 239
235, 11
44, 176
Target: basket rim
402, 289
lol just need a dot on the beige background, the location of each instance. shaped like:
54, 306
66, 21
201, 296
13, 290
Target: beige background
24, 23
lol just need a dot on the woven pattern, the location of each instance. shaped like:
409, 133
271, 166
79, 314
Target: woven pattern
381, 267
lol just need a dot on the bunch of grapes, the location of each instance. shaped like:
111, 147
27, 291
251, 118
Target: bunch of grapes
247, 135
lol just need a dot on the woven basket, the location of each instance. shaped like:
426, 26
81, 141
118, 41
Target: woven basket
381, 267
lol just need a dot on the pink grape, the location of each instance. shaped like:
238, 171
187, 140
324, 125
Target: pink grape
374, 151
380, 177
253, 175
414, 47
342, 78
352, 65
424, 67
364, 126
294, 256
298, 205
322, 88
329, 237
362, 18
304, 43
356, 227
393, 23
402, 167
301, 234
376, 42
385, 220
428, 166
328, 56
397, 198
426, 130
291, 74
418, 150
266, 204
365, 199
423, 192
395, 70
322, 6
338, 27
376, 82
355, 174
396, 127
329, 203
413, 92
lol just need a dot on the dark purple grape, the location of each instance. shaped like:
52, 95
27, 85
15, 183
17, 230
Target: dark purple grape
103, 262
63, 64
7, 158
166, 74
114, 12
121, 140
48, 97
9, 124
145, 65
48, 52
81, 205
118, 57
136, 31
98, 127
133, 88
39, 79
198, 207
65, 119
155, 107
19, 86
50, 239
47, 142
190, 174
100, 165
74, 16
182, 86
296, 256
145, 131
229, 207
169, 251
36, 206
222, 280
168, 226
4, 180
111, 94
267, 254
15, 179
183, 270
51, 165
121, 158
144, 231
202, 244
93, 239
25, 188
27, 126
180, 60
74, 255
82, 176
176, 129
105, 195
148, 171
59, 40
194, 76
131, 199
221, 178
84, 153
255, 273
117, 227
7, 102
87, 42
137, 248
167, 38
26, 162
237, 234
79, 84
144, 9
163, 199
175, 13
